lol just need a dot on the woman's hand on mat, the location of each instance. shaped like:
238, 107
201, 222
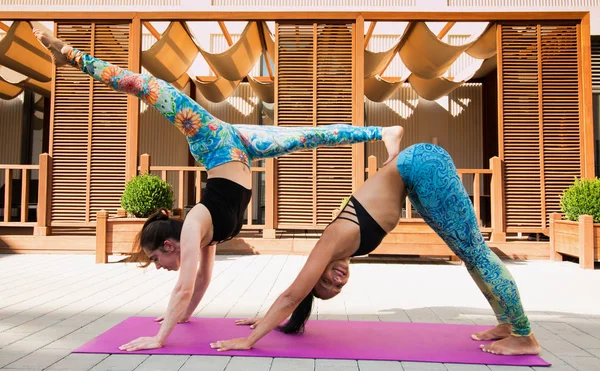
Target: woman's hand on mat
162, 318
233, 344
253, 322
142, 343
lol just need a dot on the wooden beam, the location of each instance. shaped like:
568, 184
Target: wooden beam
369, 33
265, 52
4, 27
445, 30
152, 30
133, 103
184, 15
541, 127
225, 33
500, 92
358, 110
586, 113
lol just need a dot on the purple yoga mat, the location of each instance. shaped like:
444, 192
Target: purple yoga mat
392, 341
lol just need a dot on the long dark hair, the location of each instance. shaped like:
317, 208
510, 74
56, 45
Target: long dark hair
295, 325
157, 228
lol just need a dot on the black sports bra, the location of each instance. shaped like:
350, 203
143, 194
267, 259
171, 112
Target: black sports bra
226, 202
371, 233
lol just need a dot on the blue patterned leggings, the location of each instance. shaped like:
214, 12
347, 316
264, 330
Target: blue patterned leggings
213, 142
436, 191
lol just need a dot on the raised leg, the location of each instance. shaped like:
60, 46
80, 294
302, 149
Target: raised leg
185, 113
274, 141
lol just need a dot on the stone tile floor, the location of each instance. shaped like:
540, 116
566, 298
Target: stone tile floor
52, 304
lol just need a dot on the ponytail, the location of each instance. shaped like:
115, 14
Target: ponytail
295, 325
158, 228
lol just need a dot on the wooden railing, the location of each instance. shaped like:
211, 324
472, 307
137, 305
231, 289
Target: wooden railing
8, 172
497, 226
182, 185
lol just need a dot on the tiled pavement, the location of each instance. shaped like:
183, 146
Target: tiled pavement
52, 304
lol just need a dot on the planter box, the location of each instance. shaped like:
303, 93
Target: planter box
580, 239
115, 235
413, 237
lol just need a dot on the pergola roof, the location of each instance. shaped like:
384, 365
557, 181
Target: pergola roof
428, 60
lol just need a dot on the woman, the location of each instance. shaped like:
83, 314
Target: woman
425, 173
226, 151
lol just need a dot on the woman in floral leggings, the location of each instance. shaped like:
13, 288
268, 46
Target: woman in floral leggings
226, 151
427, 175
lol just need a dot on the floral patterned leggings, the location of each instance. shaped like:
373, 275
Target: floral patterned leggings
214, 142
436, 191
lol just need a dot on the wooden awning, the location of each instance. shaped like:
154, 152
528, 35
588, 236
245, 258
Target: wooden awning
217, 90
27, 83
379, 89
9, 91
433, 89
23, 53
425, 55
237, 61
265, 90
172, 54
485, 46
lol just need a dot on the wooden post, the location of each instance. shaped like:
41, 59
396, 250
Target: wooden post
7, 195
586, 241
180, 190
24, 195
477, 197
101, 219
270, 199
133, 103
358, 109
145, 164
372, 166
586, 112
553, 254
497, 200
44, 192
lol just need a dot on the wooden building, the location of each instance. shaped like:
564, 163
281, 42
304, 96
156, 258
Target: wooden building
512, 102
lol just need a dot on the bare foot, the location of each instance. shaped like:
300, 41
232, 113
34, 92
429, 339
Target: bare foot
392, 136
499, 332
58, 48
513, 345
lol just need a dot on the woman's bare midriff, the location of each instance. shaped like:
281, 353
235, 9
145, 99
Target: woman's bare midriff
235, 171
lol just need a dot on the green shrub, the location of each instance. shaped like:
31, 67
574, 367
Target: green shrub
145, 194
582, 198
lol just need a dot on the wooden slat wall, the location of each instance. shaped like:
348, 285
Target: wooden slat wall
88, 135
521, 126
334, 106
109, 124
315, 68
295, 95
70, 131
540, 120
560, 107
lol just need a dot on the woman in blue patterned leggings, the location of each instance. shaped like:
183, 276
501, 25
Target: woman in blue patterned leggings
427, 175
226, 151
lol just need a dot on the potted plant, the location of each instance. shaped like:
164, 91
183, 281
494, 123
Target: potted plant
143, 195
577, 231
